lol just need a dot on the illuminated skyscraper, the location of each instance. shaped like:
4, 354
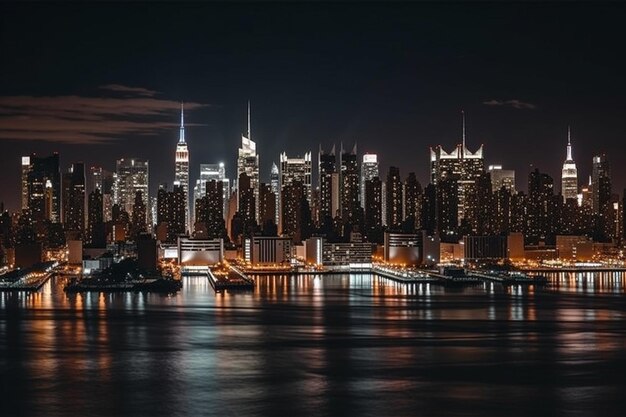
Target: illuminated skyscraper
131, 175
44, 187
350, 205
394, 198
502, 178
248, 163
182, 163
569, 174
213, 172
466, 166
275, 188
74, 198
296, 169
369, 170
327, 166
25, 171
600, 183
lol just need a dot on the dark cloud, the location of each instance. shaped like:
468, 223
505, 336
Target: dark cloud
516, 104
83, 120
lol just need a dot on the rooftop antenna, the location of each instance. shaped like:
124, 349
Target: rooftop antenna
181, 137
249, 132
463, 117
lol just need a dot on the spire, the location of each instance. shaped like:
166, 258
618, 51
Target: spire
181, 136
249, 132
569, 145
463, 117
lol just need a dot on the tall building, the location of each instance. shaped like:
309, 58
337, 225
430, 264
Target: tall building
369, 170
247, 200
540, 210
95, 220
412, 207
213, 172
296, 169
447, 208
275, 188
210, 210
295, 213
181, 174
101, 179
267, 207
248, 163
25, 171
600, 183
373, 198
501, 178
139, 216
395, 198
43, 187
465, 165
327, 168
569, 174
349, 180
131, 175
177, 222
74, 198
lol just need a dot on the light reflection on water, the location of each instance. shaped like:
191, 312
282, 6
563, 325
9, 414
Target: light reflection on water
319, 345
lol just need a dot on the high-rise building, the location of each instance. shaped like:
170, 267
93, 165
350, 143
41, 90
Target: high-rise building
501, 178
369, 170
209, 210
247, 201
296, 169
275, 188
327, 166
101, 179
213, 172
373, 198
131, 175
25, 171
74, 198
569, 174
181, 174
295, 213
465, 165
350, 180
44, 187
267, 207
395, 198
177, 222
248, 163
600, 183
447, 208
95, 220
139, 216
412, 208
540, 210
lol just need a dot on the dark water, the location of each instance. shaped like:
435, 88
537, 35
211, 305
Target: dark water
336, 345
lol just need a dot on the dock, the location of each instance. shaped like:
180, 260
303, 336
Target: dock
231, 279
28, 279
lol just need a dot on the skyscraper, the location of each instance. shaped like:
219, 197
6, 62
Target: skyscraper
501, 178
131, 175
600, 183
540, 212
394, 198
44, 187
275, 188
102, 180
181, 175
412, 200
373, 209
296, 169
248, 163
74, 198
369, 170
327, 166
569, 174
213, 172
95, 220
25, 171
465, 165
349, 174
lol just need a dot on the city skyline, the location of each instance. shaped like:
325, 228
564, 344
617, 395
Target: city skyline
345, 85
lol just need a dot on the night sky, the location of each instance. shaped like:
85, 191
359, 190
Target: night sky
102, 81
